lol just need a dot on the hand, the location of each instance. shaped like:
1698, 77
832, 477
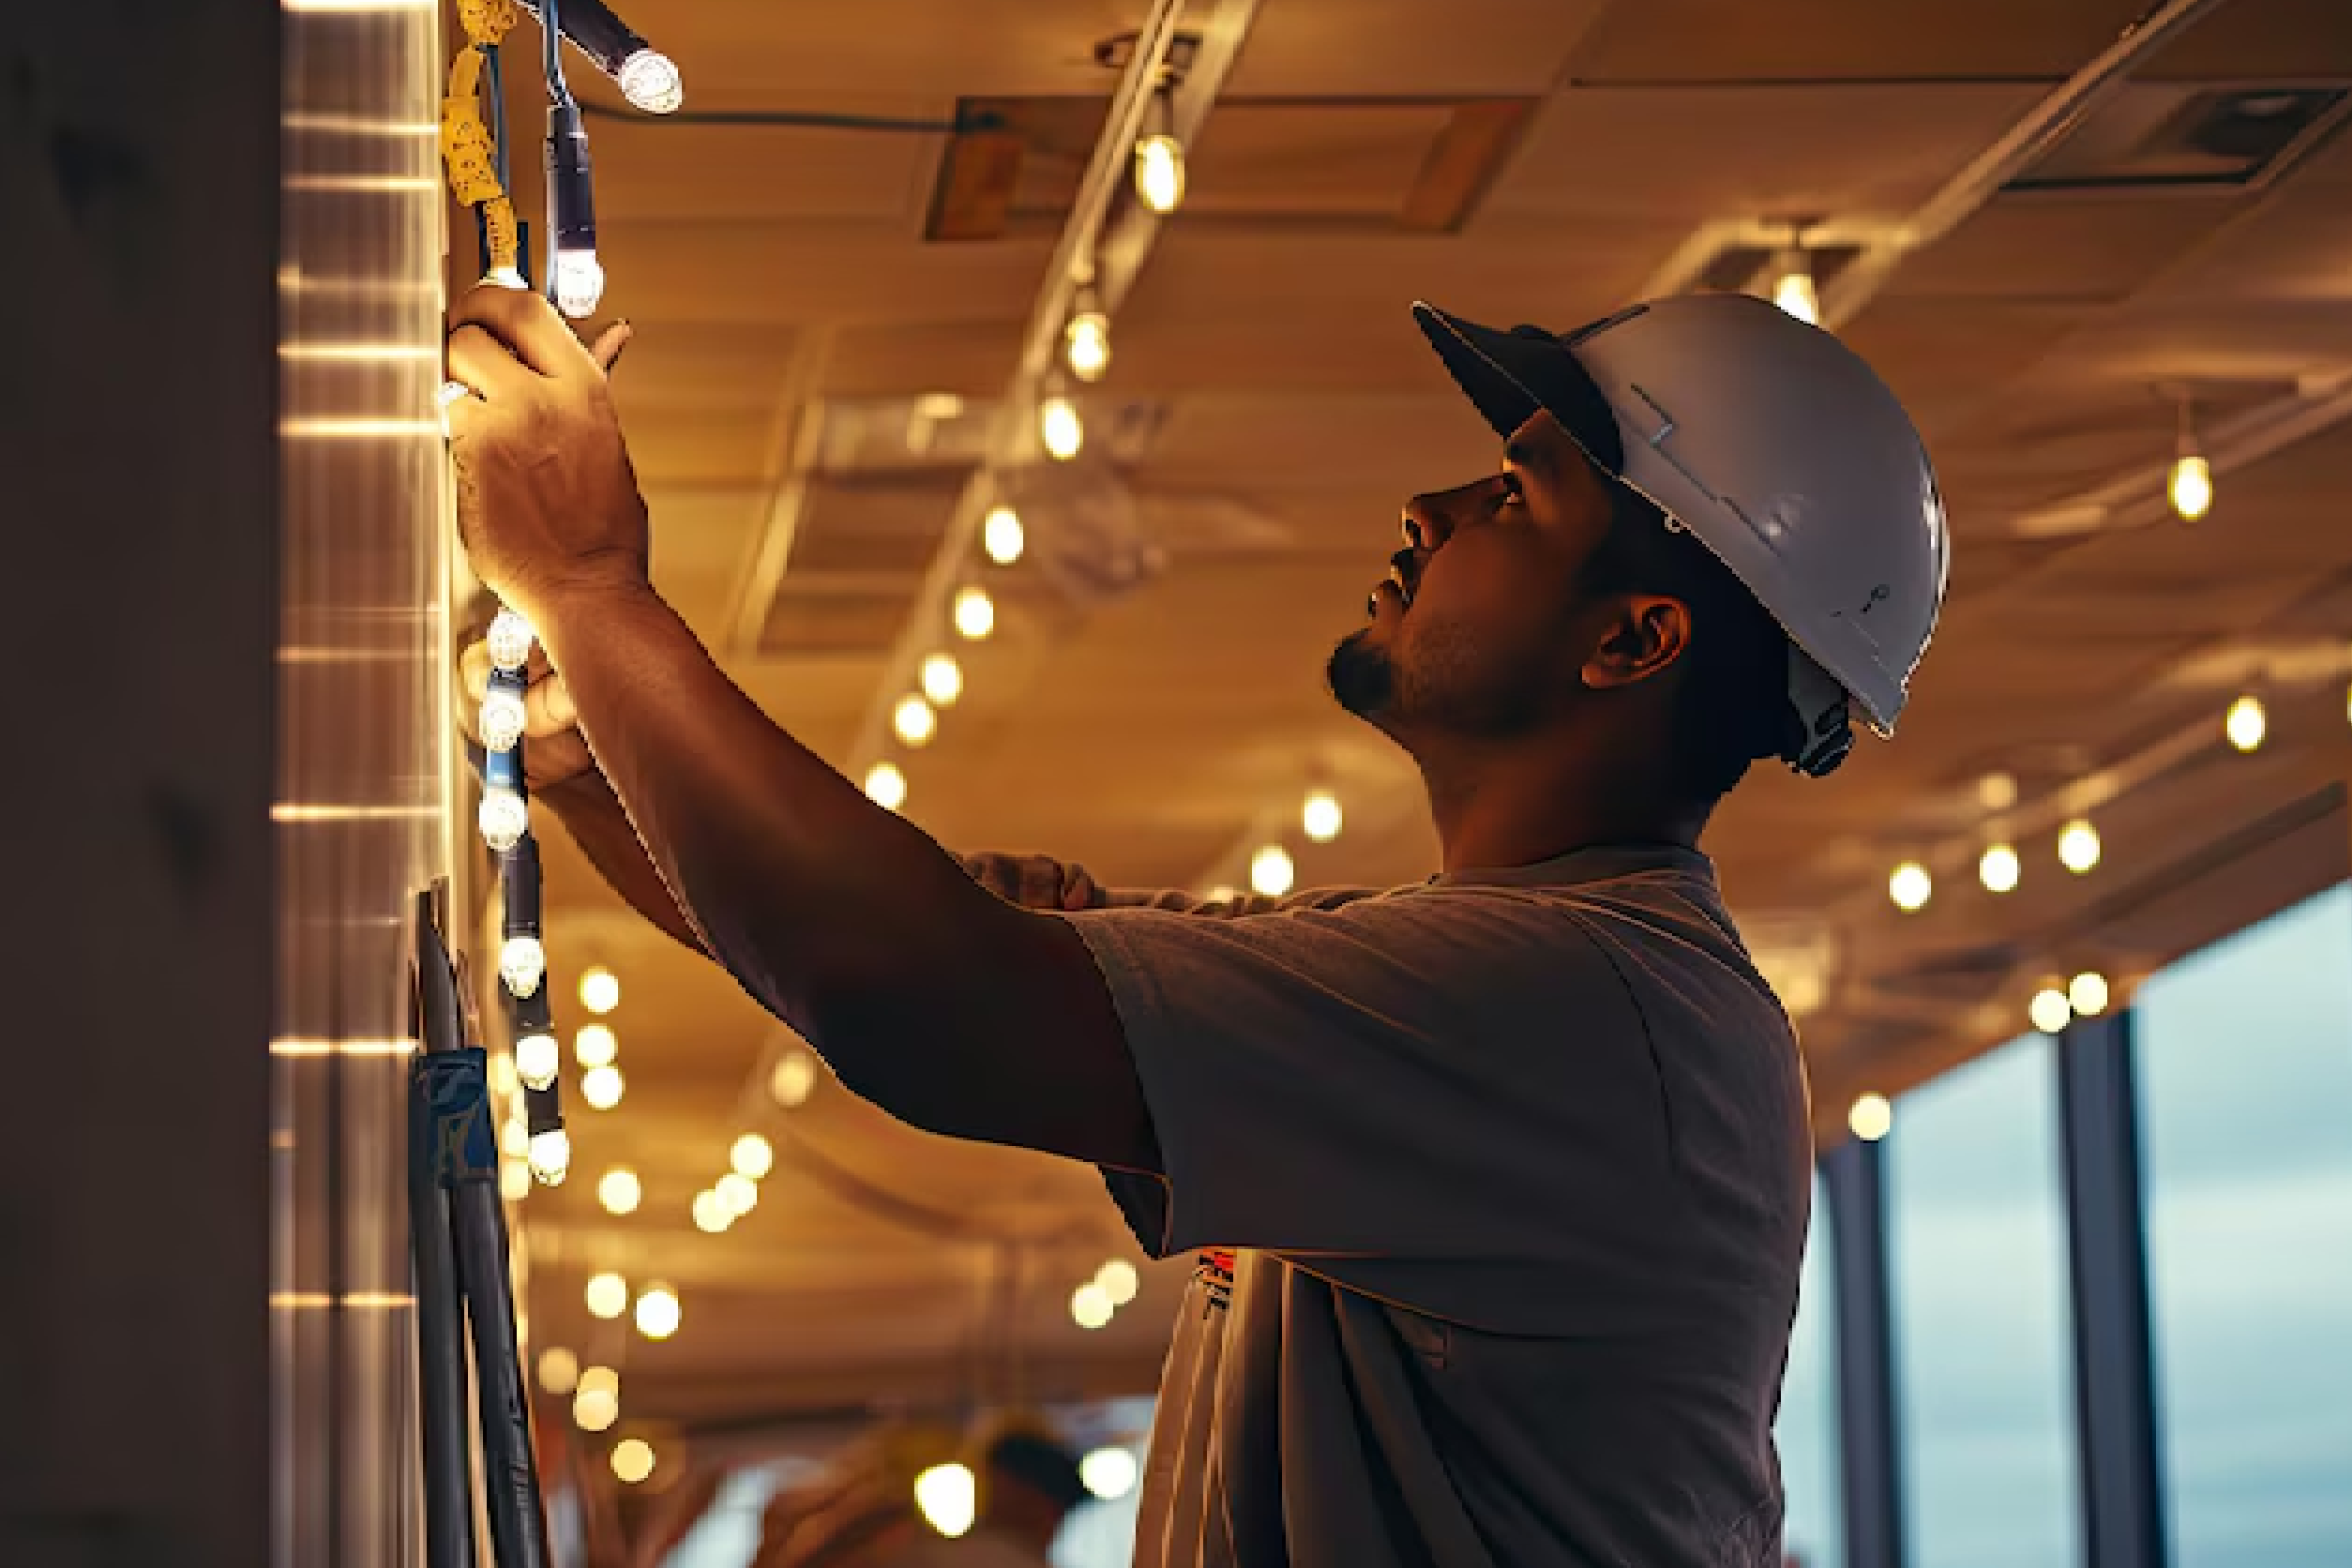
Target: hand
553, 749
547, 501
1035, 883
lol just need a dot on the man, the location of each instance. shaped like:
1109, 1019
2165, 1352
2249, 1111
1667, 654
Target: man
1498, 1183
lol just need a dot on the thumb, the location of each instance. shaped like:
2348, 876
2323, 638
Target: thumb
605, 350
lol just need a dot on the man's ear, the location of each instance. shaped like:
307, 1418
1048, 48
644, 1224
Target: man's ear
1645, 633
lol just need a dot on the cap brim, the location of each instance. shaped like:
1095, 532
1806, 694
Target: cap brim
1508, 376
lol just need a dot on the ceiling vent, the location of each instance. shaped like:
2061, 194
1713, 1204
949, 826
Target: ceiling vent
2158, 138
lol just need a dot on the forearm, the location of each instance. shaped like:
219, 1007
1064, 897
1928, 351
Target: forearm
592, 814
1179, 902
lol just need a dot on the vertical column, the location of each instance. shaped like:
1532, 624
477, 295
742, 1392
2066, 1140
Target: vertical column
2114, 1381
1854, 1176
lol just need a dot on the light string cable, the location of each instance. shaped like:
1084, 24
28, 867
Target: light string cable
575, 278
472, 145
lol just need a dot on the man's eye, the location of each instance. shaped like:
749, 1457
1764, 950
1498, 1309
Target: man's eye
1513, 491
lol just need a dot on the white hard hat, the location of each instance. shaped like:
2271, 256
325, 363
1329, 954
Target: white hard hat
1777, 447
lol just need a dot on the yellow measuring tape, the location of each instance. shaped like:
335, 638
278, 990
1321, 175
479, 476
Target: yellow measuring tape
467, 147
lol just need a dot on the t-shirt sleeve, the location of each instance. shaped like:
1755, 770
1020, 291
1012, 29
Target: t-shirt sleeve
1443, 1097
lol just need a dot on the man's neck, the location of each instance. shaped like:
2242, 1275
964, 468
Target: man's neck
1513, 806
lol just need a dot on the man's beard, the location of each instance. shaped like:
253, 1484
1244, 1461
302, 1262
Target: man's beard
1362, 675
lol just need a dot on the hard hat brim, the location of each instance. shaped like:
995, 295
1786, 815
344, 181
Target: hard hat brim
1508, 376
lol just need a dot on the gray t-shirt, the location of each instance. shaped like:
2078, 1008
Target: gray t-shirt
1499, 1187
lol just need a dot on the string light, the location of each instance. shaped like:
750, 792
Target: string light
595, 1045
1320, 816
632, 1460
975, 614
648, 80
1871, 1117
792, 1078
942, 680
2247, 724
602, 1087
1910, 886
948, 1498
607, 1296
1086, 345
600, 991
2078, 846
1999, 869
1059, 429
604, 1380
2050, 1010
2086, 993
658, 1312
1118, 1281
1002, 535
536, 1059
620, 1191
1794, 292
559, 1370
711, 1213
913, 721
753, 1157
594, 1410
1159, 172
551, 1156
739, 1193
522, 964
885, 786
1271, 871
502, 817
509, 641
2191, 488
503, 717
1110, 1474
1090, 1306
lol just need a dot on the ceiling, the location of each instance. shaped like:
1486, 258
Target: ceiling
1270, 407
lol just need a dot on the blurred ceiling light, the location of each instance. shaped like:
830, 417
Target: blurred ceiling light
595, 1410
632, 1460
551, 1155
600, 1379
752, 1155
739, 1193
1320, 816
559, 1370
2247, 724
1002, 535
975, 614
600, 991
1090, 1306
2086, 993
1793, 289
885, 786
536, 1059
2191, 485
503, 1079
1871, 1117
1271, 871
913, 721
948, 1496
1110, 1474
1910, 886
602, 1087
1999, 869
942, 680
1159, 172
514, 1180
1997, 791
522, 964
938, 406
711, 1213
1086, 345
608, 1295
620, 1191
2050, 1010
792, 1078
1118, 1281
514, 1138
1059, 429
2078, 846
595, 1045
658, 1312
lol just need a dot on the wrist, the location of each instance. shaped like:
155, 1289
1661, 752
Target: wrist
583, 595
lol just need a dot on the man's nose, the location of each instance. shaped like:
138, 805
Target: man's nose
1427, 524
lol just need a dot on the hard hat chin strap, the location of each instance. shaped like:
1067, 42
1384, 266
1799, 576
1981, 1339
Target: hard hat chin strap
1821, 728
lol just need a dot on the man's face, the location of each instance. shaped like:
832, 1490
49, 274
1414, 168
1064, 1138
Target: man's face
1479, 626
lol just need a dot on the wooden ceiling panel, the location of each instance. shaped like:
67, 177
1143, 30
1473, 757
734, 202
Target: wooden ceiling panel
700, 446
691, 172
1694, 154
2036, 248
1947, 359
1857, 40
1311, 161
676, 366
1340, 48
769, 274
2261, 40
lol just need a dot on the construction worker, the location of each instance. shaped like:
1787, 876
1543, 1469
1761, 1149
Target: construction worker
1498, 1183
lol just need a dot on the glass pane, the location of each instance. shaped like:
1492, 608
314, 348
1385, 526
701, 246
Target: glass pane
2245, 1076
1984, 1363
1815, 1536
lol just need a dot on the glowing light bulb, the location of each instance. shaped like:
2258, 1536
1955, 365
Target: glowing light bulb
632, 1460
948, 1496
536, 1059
503, 717
1910, 886
1224, 893
620, 1191
559, 1370
649, 79
551, 1156
513, 1181
1086, 345
1870, 1116
885, 786
1090, 1306
658, 1312
1110, 1474
510, 637
1271, 871
578, 283
739, 1193
2191, 488
522, 964
603, 1380
1118, 1281
2247, 724
2078, 846
942, 680
1795, 293
711, 1213
595, 1045
975, 614
1059, 428
913, 721
752, 1155
2049, 1010
1159, 172
1999, 869
1002, 535
607, 1296
1320, 816
2086, 993
1997, 791
503, 818
600, 991
594, 1410
514, 1138
602, 1087
792, 1078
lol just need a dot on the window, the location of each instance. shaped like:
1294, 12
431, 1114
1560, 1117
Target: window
1815, 1534
2245, 1080
1982, 1340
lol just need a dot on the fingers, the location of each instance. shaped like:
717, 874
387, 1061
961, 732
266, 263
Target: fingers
525, 324
483, 363
1040, 883
547, 702
605, 350
1081, 891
